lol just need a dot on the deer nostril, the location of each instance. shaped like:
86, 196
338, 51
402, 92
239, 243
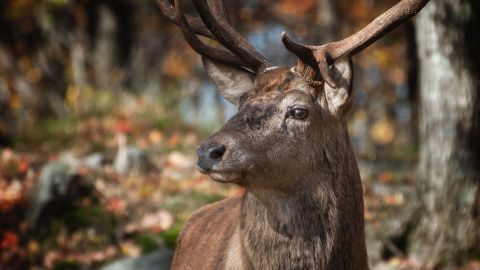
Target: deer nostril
216, 152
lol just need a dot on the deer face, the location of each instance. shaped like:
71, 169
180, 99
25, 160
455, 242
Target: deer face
277, 131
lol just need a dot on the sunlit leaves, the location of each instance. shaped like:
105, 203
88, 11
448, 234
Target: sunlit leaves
176, 64
383, 131
10, 195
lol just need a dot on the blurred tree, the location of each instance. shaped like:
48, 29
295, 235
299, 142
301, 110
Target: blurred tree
449, 168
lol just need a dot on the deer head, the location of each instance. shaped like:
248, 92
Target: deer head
290, 120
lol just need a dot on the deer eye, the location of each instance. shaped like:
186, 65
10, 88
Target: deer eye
297, 113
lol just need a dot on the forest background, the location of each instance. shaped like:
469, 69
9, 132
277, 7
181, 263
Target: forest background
102, 104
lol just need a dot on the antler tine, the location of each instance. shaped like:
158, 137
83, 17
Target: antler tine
229, 37
326, 54
196, 24
200, 47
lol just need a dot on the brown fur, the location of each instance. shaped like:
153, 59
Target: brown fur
303, 205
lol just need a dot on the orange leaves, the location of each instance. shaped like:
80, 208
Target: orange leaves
72, 96
174, 140
117, 206
296, 8
472, 265
395, 199
179, 160
53, 257
176, 64
155, 136
159, 221
359, 10
383, 131
385, 177
9, 240
123, 126
10, 195
7, 156
368, 215
13, 168
11, 253
33, 247
129, 248
23, 166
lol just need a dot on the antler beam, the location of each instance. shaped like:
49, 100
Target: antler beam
199, 46
229, 37
320, 57
214, 24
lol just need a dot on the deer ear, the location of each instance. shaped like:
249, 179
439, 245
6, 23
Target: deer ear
339, 100
232, 82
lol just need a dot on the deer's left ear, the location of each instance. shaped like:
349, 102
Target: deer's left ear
339, 100
231, 82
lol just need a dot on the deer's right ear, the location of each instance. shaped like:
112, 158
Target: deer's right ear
232, 82
339, 100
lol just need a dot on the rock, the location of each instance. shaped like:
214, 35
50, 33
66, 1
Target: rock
129, 158
57, 186
158, 260
69, 159
94, 161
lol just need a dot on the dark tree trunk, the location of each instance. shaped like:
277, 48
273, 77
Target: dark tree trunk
448, 177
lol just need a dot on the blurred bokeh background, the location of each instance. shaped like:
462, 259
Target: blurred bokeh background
102, 104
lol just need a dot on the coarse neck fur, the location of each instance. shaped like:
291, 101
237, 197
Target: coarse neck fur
317, 224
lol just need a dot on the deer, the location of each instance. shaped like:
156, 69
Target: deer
288, 147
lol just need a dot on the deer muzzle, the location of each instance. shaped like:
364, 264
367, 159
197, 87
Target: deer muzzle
208, 156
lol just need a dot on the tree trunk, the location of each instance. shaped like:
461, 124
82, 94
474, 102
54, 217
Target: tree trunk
105, 48
448, 178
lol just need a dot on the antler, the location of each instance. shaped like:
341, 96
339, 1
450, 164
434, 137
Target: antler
214, 25
319, 58
195, 23
230, 38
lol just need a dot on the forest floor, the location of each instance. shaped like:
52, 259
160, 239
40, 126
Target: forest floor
107, 211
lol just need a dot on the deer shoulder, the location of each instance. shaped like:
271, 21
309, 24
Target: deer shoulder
209, 236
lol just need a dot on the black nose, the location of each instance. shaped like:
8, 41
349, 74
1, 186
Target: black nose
209, 155
216, 152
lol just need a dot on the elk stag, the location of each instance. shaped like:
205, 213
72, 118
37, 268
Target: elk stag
288, 146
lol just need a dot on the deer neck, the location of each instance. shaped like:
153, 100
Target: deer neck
292, 212
316, 225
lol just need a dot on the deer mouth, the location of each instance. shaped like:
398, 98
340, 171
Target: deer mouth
221, 176
225, 177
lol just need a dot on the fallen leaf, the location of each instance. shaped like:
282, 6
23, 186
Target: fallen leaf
130, 249
155, 136
174, 140
10, 240
383, 132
